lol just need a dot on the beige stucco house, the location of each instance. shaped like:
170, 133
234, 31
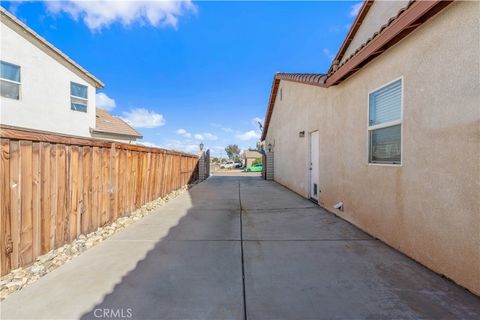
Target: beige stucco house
43, 89
249, 156
389, 137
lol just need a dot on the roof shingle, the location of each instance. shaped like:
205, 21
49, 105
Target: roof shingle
106, 123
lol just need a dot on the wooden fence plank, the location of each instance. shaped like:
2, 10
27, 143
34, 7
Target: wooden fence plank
15, 198
36, 205
45, 201
113, 187
129, 182
78, 230
53, 195
96, 188
86, 212
73, 194
26, 214
62, 183
105, 211
6, 213
122, 182
134, 171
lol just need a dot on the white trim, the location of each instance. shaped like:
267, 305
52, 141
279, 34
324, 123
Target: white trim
386, 84
11, 81
386, 124
77, 97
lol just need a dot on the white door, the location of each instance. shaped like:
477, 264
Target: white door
313, 166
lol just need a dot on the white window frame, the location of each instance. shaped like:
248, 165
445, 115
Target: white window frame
77, 97
15, 82
386, 125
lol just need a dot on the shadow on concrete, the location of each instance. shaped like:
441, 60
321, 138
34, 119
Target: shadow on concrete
299, 262
193, 271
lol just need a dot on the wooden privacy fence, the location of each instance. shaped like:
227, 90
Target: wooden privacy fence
56, 187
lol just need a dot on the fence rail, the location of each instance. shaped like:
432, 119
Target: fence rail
56, 187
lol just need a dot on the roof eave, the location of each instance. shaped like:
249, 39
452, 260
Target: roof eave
408, 20
362, 13
60, 55
92, 130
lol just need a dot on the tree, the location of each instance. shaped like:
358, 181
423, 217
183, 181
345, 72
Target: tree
257, 161
233, 151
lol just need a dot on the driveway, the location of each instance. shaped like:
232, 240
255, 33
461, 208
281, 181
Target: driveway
234, 245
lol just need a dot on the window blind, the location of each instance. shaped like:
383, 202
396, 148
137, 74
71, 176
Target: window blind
386, 104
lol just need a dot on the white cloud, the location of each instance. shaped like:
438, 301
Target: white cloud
209, 136
102, 13
329, 54
149, 144
248, 135
104, 102
184, 133
204, 136
143, 118
224, 129
355, 9
185, 145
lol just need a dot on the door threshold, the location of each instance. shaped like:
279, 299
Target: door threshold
314, 200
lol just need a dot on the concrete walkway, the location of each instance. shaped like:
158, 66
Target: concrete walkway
234, 244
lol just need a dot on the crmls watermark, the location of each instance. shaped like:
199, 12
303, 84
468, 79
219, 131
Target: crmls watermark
109, 313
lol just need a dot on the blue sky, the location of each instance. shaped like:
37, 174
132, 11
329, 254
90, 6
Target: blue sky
184, 72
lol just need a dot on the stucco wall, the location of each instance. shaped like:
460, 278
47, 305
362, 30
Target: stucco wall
45, 90
429, 206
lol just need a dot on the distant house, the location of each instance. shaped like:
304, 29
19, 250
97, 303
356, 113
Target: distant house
43, 89
249, 156
113, 128
388, 137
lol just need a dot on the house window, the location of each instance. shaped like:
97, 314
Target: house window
78, 97
10, 80
385, 124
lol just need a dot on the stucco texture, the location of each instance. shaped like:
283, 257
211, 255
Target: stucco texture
428, 207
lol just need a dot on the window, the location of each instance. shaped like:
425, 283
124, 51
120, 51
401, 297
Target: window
385, 124
10, 80
78, 97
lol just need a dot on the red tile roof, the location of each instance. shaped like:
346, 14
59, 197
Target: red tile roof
407, 19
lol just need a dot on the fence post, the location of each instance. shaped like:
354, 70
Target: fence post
201, 166
204, 165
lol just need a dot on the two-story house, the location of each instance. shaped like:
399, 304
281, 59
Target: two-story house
43, 89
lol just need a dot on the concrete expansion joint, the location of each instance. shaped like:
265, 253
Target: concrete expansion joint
307, 240
242, 254
278, 209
